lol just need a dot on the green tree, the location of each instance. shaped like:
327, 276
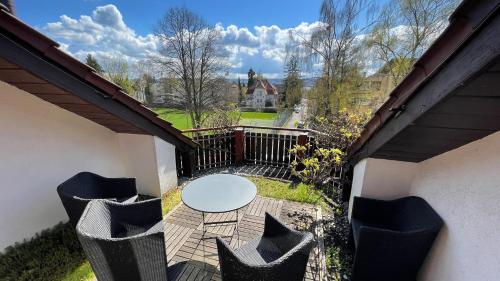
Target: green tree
240, 91
92, 62
293, 83
405, 29
251, 78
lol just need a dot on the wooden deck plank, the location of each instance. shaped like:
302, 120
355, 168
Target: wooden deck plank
187, 252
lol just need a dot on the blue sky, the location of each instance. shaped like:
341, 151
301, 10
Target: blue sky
257, 29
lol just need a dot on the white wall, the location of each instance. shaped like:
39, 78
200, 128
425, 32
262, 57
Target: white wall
381, 179
165, 163
151, 161
463, 186
42, 145
140, 161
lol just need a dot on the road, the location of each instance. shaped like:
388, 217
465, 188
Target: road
297, 117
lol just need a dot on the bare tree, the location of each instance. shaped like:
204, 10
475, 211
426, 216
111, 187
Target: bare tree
405, 29
116, 69
191, 52
146, 77
334, 44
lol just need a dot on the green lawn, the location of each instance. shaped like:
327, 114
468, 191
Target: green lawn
181, 120
298, 192
259, 115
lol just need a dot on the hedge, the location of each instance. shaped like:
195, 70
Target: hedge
48, 256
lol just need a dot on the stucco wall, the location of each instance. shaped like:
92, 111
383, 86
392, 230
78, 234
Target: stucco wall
165, 163
463, 186
151, 161
42, 145
140, 161
381, 179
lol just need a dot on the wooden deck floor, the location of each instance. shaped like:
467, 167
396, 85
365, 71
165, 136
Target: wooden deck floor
191, 258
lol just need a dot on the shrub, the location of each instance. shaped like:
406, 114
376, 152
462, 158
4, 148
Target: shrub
49, 256
336, 133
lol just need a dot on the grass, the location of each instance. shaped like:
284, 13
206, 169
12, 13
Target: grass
181, 119
259, 115
170, 199
81, 273
298, 192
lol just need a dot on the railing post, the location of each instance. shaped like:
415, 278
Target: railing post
302, 139
239, 144
188, 163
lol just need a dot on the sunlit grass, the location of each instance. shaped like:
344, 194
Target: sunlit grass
170, 199
298, 192
82, 273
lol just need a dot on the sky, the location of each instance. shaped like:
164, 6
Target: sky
255, 32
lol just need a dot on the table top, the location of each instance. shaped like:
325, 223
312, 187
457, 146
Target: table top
218, 193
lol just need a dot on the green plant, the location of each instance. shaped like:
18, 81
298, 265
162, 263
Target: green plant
315, 169
51, 255
336, 133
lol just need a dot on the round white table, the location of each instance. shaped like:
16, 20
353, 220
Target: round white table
219, 193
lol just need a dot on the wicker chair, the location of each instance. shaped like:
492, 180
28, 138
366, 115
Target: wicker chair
280, 254
392, 238
76, 192
124, 241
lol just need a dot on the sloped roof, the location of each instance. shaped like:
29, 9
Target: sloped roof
269, 88
402, 128
33, 62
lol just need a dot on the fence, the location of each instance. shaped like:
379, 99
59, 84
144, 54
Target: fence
241, 146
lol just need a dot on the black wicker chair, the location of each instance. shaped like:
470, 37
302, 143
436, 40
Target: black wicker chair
76, 192
392, 238
124, 241
280, 254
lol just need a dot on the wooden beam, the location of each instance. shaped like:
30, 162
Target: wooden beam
20, 55
465, 65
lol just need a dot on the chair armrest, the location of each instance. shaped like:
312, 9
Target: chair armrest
273, 227
120, 187
372, 210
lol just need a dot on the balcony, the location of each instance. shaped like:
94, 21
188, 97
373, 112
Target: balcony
248, 151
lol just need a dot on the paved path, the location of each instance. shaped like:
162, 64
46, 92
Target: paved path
190, 259
297, 116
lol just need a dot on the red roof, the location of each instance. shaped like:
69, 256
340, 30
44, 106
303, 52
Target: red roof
269, 88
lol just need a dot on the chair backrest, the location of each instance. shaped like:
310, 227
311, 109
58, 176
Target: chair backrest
414, 213
84, 185
113, 256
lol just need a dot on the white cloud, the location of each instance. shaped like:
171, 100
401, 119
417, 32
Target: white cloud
104, 33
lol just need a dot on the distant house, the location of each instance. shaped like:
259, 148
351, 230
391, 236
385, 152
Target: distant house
262, 94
